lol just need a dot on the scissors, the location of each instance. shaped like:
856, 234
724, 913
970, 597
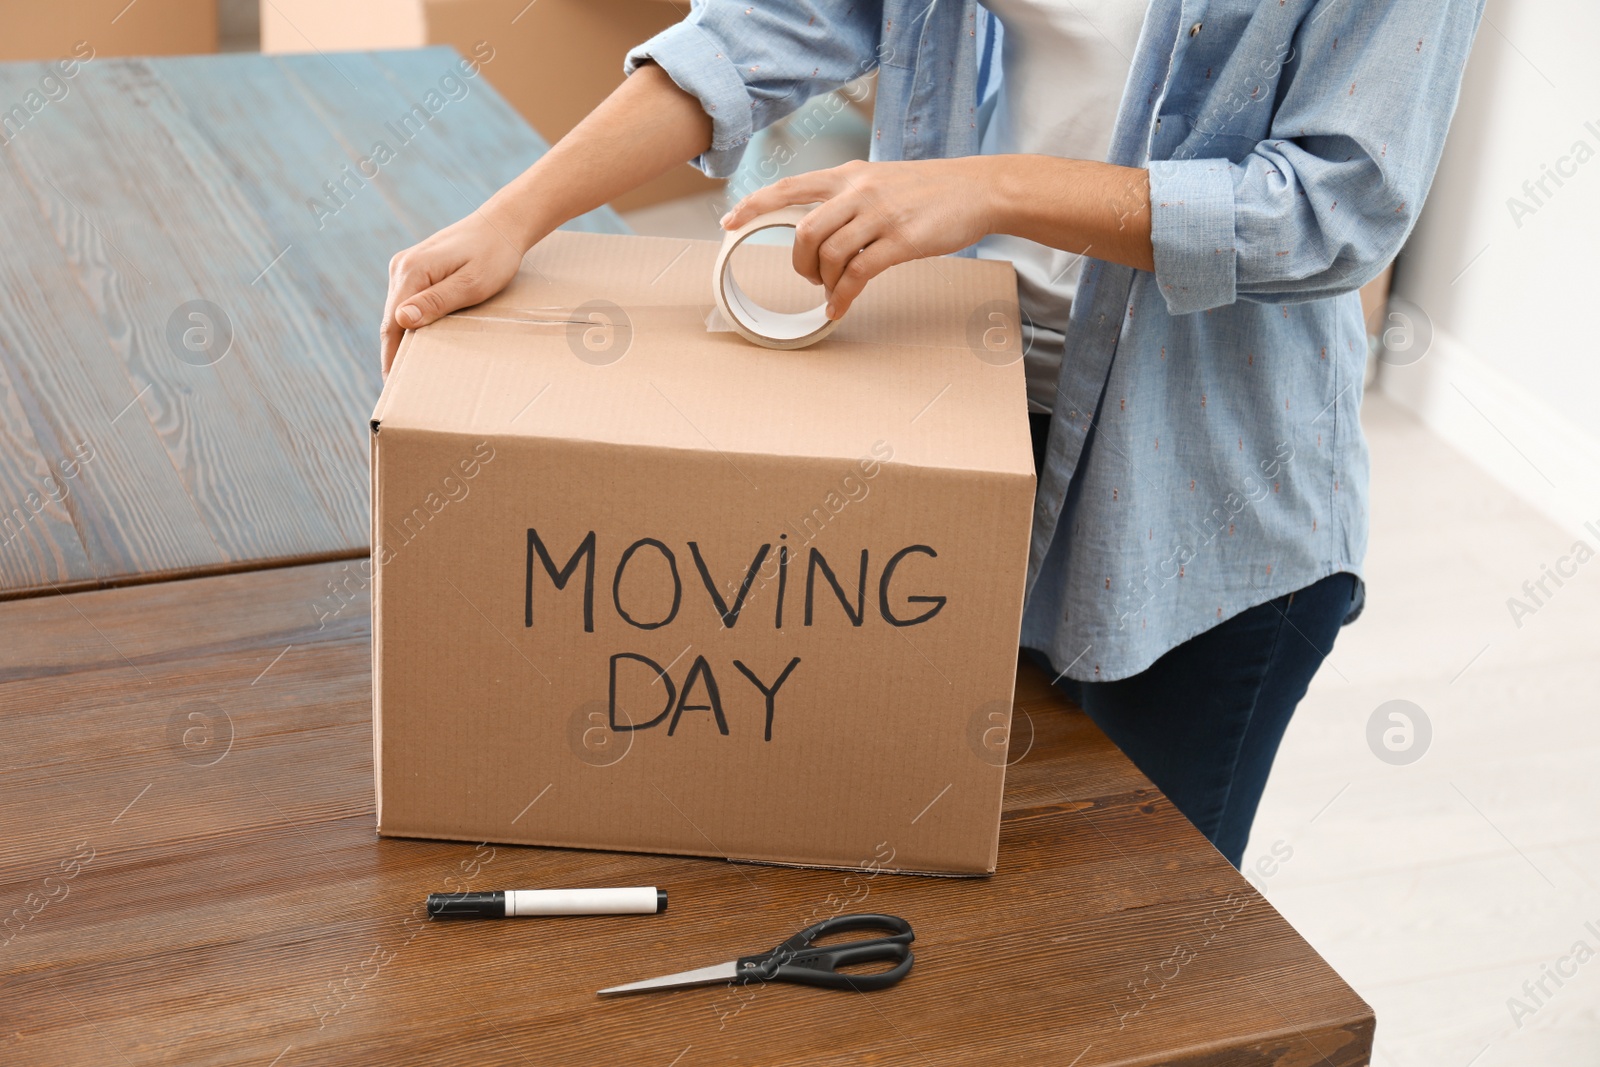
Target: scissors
800, 961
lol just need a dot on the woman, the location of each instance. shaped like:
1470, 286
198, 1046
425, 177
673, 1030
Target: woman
1196, 345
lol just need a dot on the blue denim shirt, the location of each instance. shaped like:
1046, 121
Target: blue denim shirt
1205, 453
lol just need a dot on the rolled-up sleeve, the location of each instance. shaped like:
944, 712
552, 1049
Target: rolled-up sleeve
1319, 206
751, 64
1192, 233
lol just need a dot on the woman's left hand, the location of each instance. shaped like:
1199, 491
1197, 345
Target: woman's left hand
874, 215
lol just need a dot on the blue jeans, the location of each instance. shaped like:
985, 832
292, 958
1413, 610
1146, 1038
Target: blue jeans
1204, 721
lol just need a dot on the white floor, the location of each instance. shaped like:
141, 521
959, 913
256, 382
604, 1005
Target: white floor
1439, 887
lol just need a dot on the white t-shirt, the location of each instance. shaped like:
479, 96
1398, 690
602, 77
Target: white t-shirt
1063, 65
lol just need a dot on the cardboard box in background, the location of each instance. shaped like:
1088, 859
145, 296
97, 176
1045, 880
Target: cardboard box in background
1374, 311
39, 31
1375, 300
603, 535
554, 60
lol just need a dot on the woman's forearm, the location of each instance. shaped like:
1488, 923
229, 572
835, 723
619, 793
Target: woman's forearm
1097, 209
644, 128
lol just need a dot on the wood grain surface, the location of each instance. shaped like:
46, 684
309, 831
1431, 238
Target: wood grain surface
138, 441
189, 874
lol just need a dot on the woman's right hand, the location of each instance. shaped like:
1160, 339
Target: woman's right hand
465, 263
643, 129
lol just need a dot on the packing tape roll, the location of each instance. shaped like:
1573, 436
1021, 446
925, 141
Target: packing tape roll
757, 324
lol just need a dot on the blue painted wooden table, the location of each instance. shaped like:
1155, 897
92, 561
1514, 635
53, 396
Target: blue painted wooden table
195, 261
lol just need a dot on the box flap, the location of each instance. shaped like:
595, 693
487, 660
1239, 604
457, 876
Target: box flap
631, 361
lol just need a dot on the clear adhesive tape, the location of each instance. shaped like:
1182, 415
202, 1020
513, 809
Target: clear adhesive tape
757, 324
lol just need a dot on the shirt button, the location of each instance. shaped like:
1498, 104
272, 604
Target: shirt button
1194, 31
1158, 125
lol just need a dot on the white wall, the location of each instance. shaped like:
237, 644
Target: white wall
1512, 376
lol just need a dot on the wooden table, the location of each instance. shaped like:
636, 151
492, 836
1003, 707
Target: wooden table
195, 253
190, 873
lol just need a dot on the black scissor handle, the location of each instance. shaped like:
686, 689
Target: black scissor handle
801, 961
899, 929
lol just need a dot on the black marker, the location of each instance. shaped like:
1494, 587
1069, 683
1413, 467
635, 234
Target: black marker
510, 903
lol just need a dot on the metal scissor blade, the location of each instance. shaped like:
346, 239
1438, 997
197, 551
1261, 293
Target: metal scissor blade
721, 972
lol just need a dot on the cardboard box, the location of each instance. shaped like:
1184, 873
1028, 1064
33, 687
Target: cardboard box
104, 28
603, 534
553, 60
1375, 301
